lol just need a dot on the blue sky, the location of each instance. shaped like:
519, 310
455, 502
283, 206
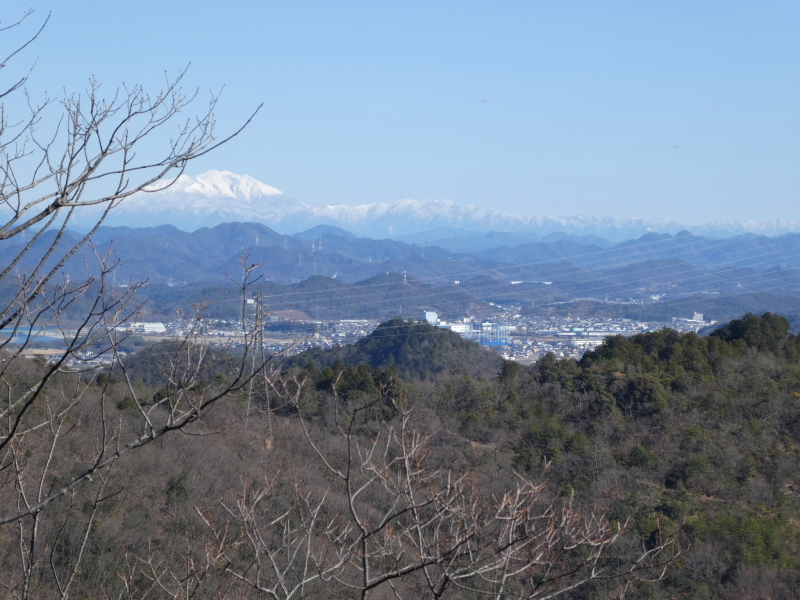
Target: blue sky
675, 109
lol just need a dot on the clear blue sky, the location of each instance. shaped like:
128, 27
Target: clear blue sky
682, 109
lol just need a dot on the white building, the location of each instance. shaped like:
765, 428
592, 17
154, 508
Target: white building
148, 327
460, 328
431, 317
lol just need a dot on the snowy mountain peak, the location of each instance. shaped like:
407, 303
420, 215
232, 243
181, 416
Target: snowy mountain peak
221, 183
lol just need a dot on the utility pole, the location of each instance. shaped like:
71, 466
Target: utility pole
258, 359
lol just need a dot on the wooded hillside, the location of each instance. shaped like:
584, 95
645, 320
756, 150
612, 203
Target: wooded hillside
690, 444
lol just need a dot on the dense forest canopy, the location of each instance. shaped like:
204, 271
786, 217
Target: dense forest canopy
692, 441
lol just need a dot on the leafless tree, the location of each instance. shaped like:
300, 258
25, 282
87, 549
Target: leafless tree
45, 403
82, 152
92, 157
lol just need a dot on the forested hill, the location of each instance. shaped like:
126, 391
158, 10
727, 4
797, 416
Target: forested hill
689, 437
417, 351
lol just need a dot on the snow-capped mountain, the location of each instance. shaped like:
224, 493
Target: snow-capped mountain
221, 196
219, 183
194, 202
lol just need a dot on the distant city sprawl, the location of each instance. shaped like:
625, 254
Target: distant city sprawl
514, 336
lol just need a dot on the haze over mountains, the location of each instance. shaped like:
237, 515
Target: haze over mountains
329, 272
217, 197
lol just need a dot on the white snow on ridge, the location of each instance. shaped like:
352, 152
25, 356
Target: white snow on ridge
218, 183
221, 196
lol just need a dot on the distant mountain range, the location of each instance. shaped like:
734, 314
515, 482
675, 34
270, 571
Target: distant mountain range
166, 253
219, 197
328, 272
